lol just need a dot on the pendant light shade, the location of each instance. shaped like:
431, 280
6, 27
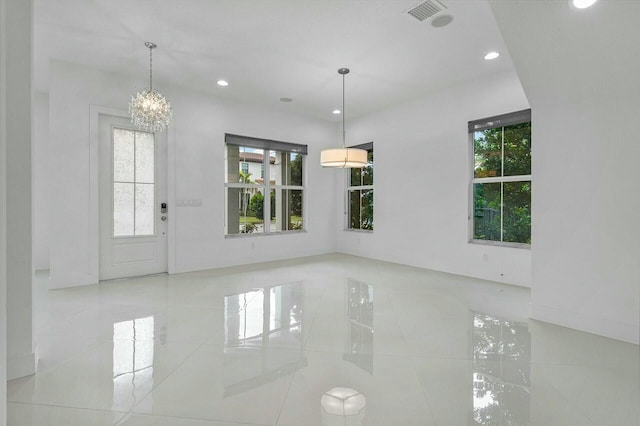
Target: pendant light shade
343, 158
150, 111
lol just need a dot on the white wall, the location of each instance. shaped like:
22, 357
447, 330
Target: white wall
42, 191
3, 213
421, 183
584, 92
18, 162
196, 171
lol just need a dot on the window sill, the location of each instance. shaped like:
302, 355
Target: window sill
501, 244
359, 231
264, 234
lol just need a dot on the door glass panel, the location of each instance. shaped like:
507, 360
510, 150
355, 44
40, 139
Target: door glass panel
123, 209
145, 158
123, 154
144, 209
133, 183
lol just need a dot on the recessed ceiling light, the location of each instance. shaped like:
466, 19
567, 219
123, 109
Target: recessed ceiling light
223, 83
286, 100
491, 55
336, 111
582, 4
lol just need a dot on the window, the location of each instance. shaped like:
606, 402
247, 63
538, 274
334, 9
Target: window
360, 193
245, 167
261, 205
133, 183
501, 186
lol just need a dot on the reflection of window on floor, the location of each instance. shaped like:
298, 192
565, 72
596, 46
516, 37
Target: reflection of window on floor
254, 321
359, 349
501, 371
250, 318
132, 355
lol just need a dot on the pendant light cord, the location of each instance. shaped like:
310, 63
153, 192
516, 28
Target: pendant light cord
344, 145
150, 69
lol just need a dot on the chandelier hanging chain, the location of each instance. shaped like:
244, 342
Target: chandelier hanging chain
344, 158
344, 134
150, 111
151, 46
150, 68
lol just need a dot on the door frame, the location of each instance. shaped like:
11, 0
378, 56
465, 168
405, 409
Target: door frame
94, 189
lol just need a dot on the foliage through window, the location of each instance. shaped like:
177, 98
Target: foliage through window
502, 178
255, 204
360, 193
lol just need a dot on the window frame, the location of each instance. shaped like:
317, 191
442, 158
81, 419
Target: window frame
348, 189
499, 121
267, 146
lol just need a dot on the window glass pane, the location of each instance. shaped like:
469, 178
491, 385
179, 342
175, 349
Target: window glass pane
486, 206
295, 169
286, 210
487, 150
286, 168
355, 177
145, 157
123, 209
145, 202
251, 210
123, 146
361, 209
293, 202
364, 176
237, 157
517, 150
367, 172
517, 212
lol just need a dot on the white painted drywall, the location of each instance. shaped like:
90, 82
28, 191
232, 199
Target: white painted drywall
41, 189
580, 72
421, 183
196, 172
3, 213
19, 221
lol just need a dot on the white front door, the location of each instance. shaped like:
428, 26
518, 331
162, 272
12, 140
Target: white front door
133, 202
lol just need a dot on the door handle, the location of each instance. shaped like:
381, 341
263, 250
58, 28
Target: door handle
163, 207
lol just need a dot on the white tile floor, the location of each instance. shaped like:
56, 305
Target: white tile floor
273, 344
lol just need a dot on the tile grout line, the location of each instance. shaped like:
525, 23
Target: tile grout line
286, 395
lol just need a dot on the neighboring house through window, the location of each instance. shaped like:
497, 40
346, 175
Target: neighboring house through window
360, 193
257, 205
501, 184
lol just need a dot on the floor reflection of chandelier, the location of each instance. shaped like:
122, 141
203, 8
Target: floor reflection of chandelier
342, 406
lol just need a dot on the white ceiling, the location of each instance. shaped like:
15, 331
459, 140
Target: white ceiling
269, 49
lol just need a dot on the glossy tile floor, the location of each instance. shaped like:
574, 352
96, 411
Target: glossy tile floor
331, 340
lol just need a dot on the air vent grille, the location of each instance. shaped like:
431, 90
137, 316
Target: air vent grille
426, 9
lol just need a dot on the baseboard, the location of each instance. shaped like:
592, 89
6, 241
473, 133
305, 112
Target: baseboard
21, 365
625, 332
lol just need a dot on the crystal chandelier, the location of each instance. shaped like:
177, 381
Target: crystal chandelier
150, 110
343, 158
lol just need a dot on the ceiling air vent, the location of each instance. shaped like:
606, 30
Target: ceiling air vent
426, 9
